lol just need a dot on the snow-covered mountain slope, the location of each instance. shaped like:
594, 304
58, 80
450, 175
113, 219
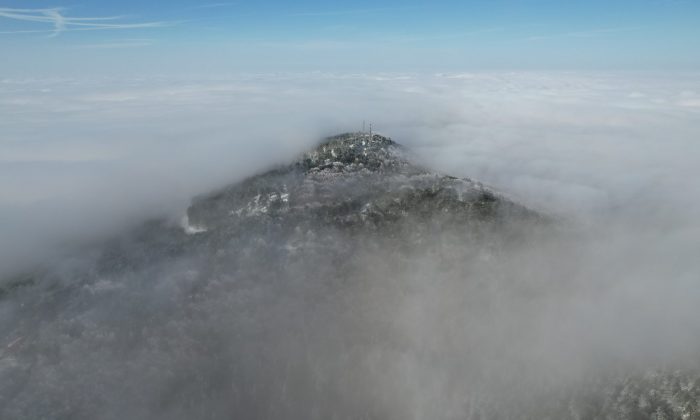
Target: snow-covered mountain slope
351, 283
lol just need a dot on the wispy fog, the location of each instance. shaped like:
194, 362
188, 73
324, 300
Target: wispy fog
614, 158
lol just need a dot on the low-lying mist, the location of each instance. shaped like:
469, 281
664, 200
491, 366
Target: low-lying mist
463, 324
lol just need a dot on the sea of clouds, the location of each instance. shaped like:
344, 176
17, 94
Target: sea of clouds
83, 158
613, 157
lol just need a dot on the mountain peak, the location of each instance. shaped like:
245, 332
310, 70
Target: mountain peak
356, 151
351, 180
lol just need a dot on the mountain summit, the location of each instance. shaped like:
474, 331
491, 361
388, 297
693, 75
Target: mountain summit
352, 180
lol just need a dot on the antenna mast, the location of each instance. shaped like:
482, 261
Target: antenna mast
370, 131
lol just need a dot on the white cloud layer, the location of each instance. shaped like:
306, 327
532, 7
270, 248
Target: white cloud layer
89, 156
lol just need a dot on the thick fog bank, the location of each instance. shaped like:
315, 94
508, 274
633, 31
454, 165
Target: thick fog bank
325, 323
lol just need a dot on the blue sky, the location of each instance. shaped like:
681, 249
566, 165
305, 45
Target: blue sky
218, 37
